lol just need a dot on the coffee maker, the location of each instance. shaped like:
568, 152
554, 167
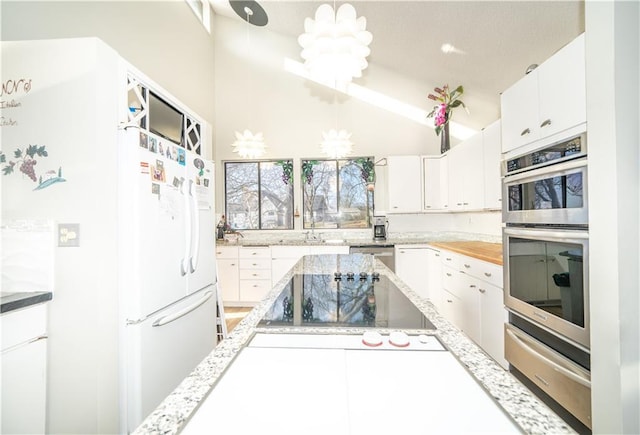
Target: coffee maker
380, 227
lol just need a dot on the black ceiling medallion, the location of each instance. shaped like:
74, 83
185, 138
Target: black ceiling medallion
250, 11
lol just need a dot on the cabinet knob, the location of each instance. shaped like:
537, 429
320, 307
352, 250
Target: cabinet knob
482, 290
448, 274
525, 132
545, 123
450, 301
467, 266
487, 274
437, 255
472, 285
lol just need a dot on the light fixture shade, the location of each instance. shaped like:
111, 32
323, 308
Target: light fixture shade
336, 144
335, 45
248, 145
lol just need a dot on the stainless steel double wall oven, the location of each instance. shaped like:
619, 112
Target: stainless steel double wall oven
546, 274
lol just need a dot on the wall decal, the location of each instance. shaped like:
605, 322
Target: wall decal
26, 161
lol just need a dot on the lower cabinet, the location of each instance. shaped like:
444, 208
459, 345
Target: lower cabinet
24, 370
411, 262
228, 271
283, 258
255, 273
472, 300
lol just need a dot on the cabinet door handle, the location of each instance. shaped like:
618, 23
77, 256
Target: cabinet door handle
467, 266
437, 255
448, 258
481, 290
450, 301
487, 274
472, 285
448, 274
545, 123
525, 132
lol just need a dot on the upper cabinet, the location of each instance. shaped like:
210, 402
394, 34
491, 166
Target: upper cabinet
466, 175
404, 184
491, 153
436, 184
550, 99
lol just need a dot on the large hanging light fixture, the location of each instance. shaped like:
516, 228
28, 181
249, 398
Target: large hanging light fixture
335, 45
336, 144
247, 144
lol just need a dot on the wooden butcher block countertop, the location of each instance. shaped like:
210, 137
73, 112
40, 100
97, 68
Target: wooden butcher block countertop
491, 252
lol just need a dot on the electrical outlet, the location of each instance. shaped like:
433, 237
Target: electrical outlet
68, 235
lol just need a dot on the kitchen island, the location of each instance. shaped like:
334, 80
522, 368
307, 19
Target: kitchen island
529, 414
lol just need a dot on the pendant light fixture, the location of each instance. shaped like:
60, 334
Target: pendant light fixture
335, 45
336, 144
247, 144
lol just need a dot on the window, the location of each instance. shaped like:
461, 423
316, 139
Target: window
335, 193
259, 195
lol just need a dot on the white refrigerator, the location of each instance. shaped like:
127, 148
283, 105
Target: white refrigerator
134, 293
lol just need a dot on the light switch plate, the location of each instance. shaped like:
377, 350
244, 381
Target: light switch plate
68, 235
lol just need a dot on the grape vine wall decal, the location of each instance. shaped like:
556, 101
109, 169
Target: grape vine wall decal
26, 161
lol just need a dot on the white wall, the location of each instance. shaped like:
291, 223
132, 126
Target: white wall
613, 115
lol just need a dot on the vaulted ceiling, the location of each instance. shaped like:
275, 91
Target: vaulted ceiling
495, 40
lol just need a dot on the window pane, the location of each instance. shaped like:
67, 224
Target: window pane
242, 195
335, 193
259, 195
276, 195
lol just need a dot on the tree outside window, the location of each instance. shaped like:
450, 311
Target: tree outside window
335, 193
259, 195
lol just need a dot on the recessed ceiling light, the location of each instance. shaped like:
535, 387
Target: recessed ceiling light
447, 48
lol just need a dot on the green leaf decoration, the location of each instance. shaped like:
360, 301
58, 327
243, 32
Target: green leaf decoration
32, 150
3, 159
17, 153
8, 169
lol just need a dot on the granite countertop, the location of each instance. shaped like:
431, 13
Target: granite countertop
525, 408
482, 247
15, 300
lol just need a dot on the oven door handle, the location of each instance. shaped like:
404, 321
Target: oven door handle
563, 370
554, 169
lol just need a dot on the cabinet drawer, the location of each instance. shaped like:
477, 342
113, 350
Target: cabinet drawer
226, 252
450, 278
255, 252
254, 290
24, 324
255, 263
491, 273
452, 260
255, 274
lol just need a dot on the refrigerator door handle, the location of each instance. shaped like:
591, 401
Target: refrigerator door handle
195, 231
185, 189
183, 312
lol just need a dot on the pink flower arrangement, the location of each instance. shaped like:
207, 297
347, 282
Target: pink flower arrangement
447, 101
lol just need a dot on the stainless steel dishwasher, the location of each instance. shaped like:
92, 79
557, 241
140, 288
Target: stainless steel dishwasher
384, 253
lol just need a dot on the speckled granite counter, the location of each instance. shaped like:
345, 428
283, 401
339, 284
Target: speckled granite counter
528, 412
16, 300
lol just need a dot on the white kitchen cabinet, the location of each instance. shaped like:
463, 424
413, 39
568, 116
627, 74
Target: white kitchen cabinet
411, 263
328, 249
473, 301
255, 273
434, 277
492, 154
493, 316
550, 99
283, 258
228, 271
24, 369
436, 183
404, 184
465, 175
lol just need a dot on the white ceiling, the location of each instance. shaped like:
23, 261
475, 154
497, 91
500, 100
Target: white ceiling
500, 39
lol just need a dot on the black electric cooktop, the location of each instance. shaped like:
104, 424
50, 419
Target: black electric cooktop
344, 300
